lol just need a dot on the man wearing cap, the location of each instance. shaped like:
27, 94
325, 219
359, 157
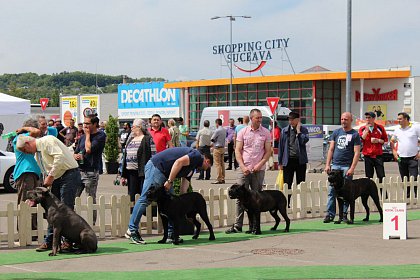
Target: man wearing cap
373, 136
292, 151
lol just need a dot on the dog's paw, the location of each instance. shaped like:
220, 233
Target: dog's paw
337, 222
273, 228
286, 230
381, 220
162, 241
350, 222
52, 254
248, 231
256, 232
195, 236
212, 237
366, 220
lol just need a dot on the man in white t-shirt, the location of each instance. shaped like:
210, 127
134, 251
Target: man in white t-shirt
404, 144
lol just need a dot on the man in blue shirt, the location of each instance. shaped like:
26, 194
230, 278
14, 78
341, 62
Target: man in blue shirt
45, 129
162, 169
344, 155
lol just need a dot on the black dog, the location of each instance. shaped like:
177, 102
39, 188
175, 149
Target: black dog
256, 202
175, 208
350, 190
65, 222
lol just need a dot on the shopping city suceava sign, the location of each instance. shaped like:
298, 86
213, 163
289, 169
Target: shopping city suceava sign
255, 51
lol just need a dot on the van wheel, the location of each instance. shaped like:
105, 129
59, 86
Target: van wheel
9, 182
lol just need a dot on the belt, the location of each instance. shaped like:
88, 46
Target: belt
68, 171
219, 147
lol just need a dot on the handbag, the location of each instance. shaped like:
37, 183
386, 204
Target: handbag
280, 180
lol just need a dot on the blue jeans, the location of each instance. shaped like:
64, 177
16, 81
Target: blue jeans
153, 177
64, 188
331, 202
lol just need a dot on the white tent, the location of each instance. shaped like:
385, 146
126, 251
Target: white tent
13, 112
10, 105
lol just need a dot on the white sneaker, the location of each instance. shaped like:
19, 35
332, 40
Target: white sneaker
128, 234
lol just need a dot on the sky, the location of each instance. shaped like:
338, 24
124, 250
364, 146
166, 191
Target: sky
174, 39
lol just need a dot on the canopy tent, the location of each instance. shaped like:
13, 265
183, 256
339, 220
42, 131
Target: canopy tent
10, 105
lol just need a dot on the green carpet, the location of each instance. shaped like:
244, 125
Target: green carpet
20, 256
305, 272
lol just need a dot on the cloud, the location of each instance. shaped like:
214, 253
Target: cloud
173, 39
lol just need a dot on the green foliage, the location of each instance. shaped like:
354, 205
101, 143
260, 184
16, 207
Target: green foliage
111, 150
33, 86
177, 186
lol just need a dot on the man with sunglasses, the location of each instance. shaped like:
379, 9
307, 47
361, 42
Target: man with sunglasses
88, 154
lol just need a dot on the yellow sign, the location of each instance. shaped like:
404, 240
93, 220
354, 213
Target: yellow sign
89, 104
380, 110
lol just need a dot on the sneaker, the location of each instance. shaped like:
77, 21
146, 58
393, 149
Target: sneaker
136, 239
170, 240
233, 229
127, 234
66, 247
328, 219
44, 247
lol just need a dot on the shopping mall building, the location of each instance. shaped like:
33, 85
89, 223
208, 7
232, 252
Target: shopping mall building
319, 96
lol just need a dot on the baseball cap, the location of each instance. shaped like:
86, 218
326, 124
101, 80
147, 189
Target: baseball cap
371, 114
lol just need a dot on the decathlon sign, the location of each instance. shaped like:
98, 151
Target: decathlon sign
142, 100
255, 51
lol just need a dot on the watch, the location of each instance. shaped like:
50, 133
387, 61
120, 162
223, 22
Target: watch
169, 181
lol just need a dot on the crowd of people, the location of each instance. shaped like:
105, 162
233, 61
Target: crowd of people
69, 159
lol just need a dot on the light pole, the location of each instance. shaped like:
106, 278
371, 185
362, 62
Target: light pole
231, 19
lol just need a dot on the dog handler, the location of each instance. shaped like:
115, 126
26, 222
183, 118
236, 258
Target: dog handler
162, 169
373, 137
253, 148
60, 172
344, 154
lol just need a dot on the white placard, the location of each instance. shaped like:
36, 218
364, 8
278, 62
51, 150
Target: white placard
395, 220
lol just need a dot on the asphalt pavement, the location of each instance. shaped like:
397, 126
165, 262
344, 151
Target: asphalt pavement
346, 246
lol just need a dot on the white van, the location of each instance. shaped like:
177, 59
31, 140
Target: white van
235, 112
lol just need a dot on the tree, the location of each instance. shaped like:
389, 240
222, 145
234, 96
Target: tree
111, 150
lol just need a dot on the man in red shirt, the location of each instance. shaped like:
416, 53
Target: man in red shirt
373, 136
160, 135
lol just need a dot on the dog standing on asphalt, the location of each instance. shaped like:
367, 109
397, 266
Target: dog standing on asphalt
256, 202
175, 208
65, 222
350, 190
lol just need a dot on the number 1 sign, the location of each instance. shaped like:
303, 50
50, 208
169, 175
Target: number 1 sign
395, 220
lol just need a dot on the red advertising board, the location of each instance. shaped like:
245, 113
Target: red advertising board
224, 116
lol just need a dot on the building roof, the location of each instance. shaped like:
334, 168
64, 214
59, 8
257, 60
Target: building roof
316, 68
390, 73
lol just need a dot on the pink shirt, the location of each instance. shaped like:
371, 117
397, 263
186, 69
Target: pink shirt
253, 145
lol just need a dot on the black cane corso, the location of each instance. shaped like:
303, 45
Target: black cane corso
175, 208
65, 222
349, 190
255, 202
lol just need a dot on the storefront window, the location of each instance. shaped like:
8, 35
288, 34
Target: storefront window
298, 96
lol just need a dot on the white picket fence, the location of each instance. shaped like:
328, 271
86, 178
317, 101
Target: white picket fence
308, 201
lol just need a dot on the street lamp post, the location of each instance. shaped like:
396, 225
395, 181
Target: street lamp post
231, 19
